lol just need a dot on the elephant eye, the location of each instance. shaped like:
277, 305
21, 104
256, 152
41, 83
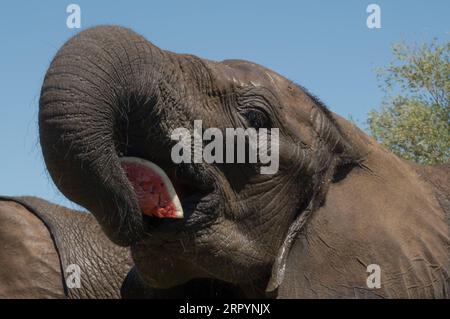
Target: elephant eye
256, 118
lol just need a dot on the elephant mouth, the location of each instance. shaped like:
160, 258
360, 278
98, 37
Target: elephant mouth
197, 196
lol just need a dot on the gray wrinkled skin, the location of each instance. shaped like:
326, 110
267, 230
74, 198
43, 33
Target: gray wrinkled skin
40, 239
338, 203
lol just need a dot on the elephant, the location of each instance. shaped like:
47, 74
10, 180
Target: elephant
40, 242
338, 206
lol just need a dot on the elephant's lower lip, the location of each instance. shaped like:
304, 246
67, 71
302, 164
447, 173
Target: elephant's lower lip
198, 209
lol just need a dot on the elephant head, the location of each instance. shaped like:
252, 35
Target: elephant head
109, 93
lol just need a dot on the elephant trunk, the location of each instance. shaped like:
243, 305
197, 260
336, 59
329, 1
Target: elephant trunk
97, 82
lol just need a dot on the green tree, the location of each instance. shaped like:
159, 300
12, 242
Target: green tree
414, 122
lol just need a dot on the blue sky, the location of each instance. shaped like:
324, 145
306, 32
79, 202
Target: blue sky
322, 45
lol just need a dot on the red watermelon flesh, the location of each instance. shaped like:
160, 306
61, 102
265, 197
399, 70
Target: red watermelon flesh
154, 190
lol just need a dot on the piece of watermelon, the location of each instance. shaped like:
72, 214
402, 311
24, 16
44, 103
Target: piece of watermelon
154, 190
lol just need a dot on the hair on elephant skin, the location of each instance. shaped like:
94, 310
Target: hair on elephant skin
338, 203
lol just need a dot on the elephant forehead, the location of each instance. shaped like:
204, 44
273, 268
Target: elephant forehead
244, 73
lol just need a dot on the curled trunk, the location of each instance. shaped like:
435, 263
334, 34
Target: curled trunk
99, 80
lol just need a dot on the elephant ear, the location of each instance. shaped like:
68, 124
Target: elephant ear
339, 165
279, 267
285, 268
